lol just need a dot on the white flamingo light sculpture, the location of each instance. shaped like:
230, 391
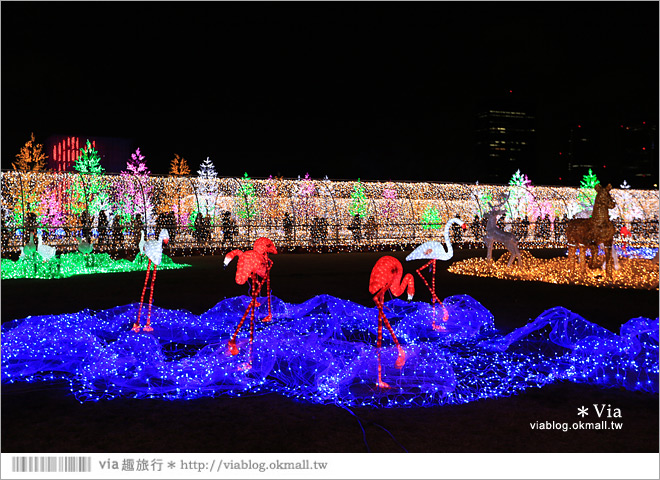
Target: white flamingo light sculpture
46, 251
435, 251
141, 242
84, 246
153, 249
29, 248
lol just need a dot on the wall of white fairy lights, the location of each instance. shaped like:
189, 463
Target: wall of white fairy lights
304, 212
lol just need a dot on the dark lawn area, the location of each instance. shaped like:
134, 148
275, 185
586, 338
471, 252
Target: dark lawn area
47, 418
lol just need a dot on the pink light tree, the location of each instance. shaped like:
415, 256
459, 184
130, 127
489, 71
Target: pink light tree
134, 190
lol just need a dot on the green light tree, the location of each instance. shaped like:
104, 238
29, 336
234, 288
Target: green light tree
87, 191
246, 199
359, 202
431, 219
587, 192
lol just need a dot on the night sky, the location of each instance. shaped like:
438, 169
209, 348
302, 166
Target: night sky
348, 89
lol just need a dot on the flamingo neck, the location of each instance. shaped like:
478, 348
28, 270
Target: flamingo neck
450, 249
407, 283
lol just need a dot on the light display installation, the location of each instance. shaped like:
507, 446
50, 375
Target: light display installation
403, 213
153, 250
387, 276
69, 264
636, 271
324, 351
253, 265
433, 251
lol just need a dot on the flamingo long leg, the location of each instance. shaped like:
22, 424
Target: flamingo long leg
401, 360
136, 325
147, 327
248, 366
232, 342
434, 296
256, 287
379, 342
270, 315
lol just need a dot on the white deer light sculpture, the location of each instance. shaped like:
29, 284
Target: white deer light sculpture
496, 234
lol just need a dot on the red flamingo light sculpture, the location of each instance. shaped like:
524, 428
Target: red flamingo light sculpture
386, 275
255, 266
153, 249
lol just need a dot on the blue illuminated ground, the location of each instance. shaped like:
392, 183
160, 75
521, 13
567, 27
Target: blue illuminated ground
323, 351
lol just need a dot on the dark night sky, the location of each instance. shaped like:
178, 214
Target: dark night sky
371, 90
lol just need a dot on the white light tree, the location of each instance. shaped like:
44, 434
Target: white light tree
208, 190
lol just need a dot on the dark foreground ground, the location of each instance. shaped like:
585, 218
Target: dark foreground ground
47, 418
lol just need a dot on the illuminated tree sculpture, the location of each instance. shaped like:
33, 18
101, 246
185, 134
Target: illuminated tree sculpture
26, 189
31, 157
179, 166
173, 191
359, 202
484, 200
390, 208
587, 193
272, 207
246, 199
87, 192
208, 190
303, 193
134, 190
50, 209
431, 219
519, 196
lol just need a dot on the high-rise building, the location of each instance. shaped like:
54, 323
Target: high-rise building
638, 151
505, 136
627, 151
581, 151
64, 150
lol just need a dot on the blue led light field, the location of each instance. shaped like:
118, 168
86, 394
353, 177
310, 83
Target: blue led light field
324, 351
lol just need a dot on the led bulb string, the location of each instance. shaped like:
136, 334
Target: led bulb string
324, 351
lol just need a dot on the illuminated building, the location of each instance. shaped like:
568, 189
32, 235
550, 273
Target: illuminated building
505, 140
639, 153
624, 151
581, 152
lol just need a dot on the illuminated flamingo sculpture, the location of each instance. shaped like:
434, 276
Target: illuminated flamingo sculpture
46, 251
435, 251
29, 249
153, 249
255, 266
386, 275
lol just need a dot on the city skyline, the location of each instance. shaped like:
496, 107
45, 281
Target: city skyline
371, 91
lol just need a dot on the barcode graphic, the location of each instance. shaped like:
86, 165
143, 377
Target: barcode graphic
51, 464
